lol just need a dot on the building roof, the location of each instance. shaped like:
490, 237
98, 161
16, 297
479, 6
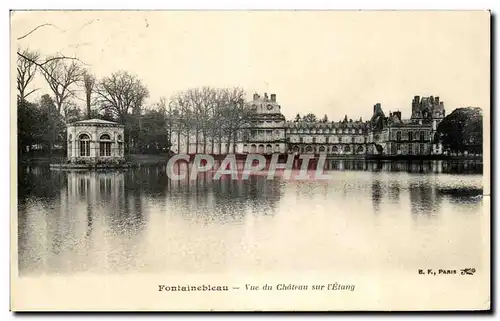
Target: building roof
95, 121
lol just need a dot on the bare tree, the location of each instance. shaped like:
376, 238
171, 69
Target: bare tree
122, 93
88, 85
60, 77
185, 118
236, 113
26, 70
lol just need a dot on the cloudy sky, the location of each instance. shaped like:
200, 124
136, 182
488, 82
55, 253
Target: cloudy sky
333, 62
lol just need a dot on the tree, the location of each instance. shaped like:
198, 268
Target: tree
60, 76
236, 112
88, 86
26, 70
123, 94
462, 130
71, 112
310, 118
297, 118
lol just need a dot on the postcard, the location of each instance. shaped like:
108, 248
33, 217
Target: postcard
250, 160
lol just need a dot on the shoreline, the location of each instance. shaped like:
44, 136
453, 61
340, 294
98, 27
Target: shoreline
162, 159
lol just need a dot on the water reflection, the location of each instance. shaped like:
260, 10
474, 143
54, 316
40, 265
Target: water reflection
140, 220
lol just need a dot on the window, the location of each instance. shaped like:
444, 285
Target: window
340, 139
398, 147
422, 136
70, 148
410, 148
327, 139
353, 140
398, 135
84, 145
347, 149
335, 149
422, 147
314, 140
120, 149
410, 136
301, 139
360, 149
105, 145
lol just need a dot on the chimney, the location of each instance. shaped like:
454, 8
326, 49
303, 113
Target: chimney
265, 97
431, 98
255, 96
397, 114
273, 97
436, 100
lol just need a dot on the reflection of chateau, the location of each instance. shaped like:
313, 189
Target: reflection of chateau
381, 135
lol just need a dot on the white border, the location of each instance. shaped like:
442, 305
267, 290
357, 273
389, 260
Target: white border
493, 5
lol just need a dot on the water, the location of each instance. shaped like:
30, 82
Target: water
368, 216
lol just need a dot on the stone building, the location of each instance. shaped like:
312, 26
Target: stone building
393, 135
265, 133
347, 137
95, 140
269, 132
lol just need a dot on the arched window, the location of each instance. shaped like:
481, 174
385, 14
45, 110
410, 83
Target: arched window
253, 148
360, 149
422, 136
398, 135
322, 149
309, 149
84, 145
105, 145
347, 149
269, 149
335, 149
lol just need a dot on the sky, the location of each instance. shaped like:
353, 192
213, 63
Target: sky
324, 62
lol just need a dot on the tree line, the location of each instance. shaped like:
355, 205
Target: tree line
210, 115
207, 115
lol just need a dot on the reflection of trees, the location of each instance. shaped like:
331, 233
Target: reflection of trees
376, 195
38, 181
223, 199
424, 199
394, 190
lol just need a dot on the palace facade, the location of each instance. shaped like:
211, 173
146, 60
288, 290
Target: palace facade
268, 132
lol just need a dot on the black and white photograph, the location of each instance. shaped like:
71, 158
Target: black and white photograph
258, 160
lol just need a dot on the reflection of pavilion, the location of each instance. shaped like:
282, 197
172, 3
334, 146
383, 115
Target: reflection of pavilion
95, 186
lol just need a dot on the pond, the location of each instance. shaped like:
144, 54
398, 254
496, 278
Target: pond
368, 215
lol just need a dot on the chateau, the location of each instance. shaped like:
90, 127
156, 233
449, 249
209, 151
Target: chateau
269, 132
